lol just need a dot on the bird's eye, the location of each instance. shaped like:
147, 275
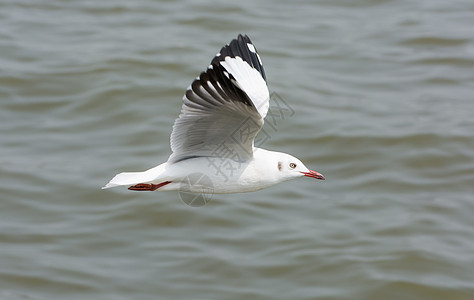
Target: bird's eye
292, 165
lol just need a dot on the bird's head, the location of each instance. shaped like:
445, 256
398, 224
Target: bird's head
291, 167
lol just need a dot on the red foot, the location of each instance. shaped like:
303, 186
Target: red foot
148, 186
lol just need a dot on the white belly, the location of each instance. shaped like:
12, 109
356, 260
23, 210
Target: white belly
216, 176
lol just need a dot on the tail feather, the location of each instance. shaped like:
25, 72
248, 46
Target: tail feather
125, 178
133, 178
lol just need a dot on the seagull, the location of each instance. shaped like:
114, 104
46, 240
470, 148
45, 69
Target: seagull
212, 140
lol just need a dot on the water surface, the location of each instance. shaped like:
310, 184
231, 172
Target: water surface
382, 95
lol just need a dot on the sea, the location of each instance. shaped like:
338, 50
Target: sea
377, 95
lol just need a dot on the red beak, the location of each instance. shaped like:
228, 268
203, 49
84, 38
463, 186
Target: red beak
314, 174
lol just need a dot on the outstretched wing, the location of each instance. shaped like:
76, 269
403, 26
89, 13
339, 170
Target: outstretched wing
223, 109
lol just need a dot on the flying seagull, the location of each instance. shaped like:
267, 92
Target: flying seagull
213, 137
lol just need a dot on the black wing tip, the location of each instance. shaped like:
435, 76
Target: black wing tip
242, 47
242, 40
243, 37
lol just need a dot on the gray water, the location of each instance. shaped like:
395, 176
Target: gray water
381, 95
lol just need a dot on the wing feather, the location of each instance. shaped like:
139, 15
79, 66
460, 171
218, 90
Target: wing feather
224, 106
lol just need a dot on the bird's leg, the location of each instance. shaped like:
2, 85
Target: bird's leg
148, 186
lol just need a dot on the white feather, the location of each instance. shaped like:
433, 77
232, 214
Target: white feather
250, 81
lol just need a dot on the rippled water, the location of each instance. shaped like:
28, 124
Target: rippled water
382, 94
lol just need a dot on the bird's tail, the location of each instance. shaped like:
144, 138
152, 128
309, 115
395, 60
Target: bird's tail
132, 178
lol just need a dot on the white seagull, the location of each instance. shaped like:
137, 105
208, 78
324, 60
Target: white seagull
213, 137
